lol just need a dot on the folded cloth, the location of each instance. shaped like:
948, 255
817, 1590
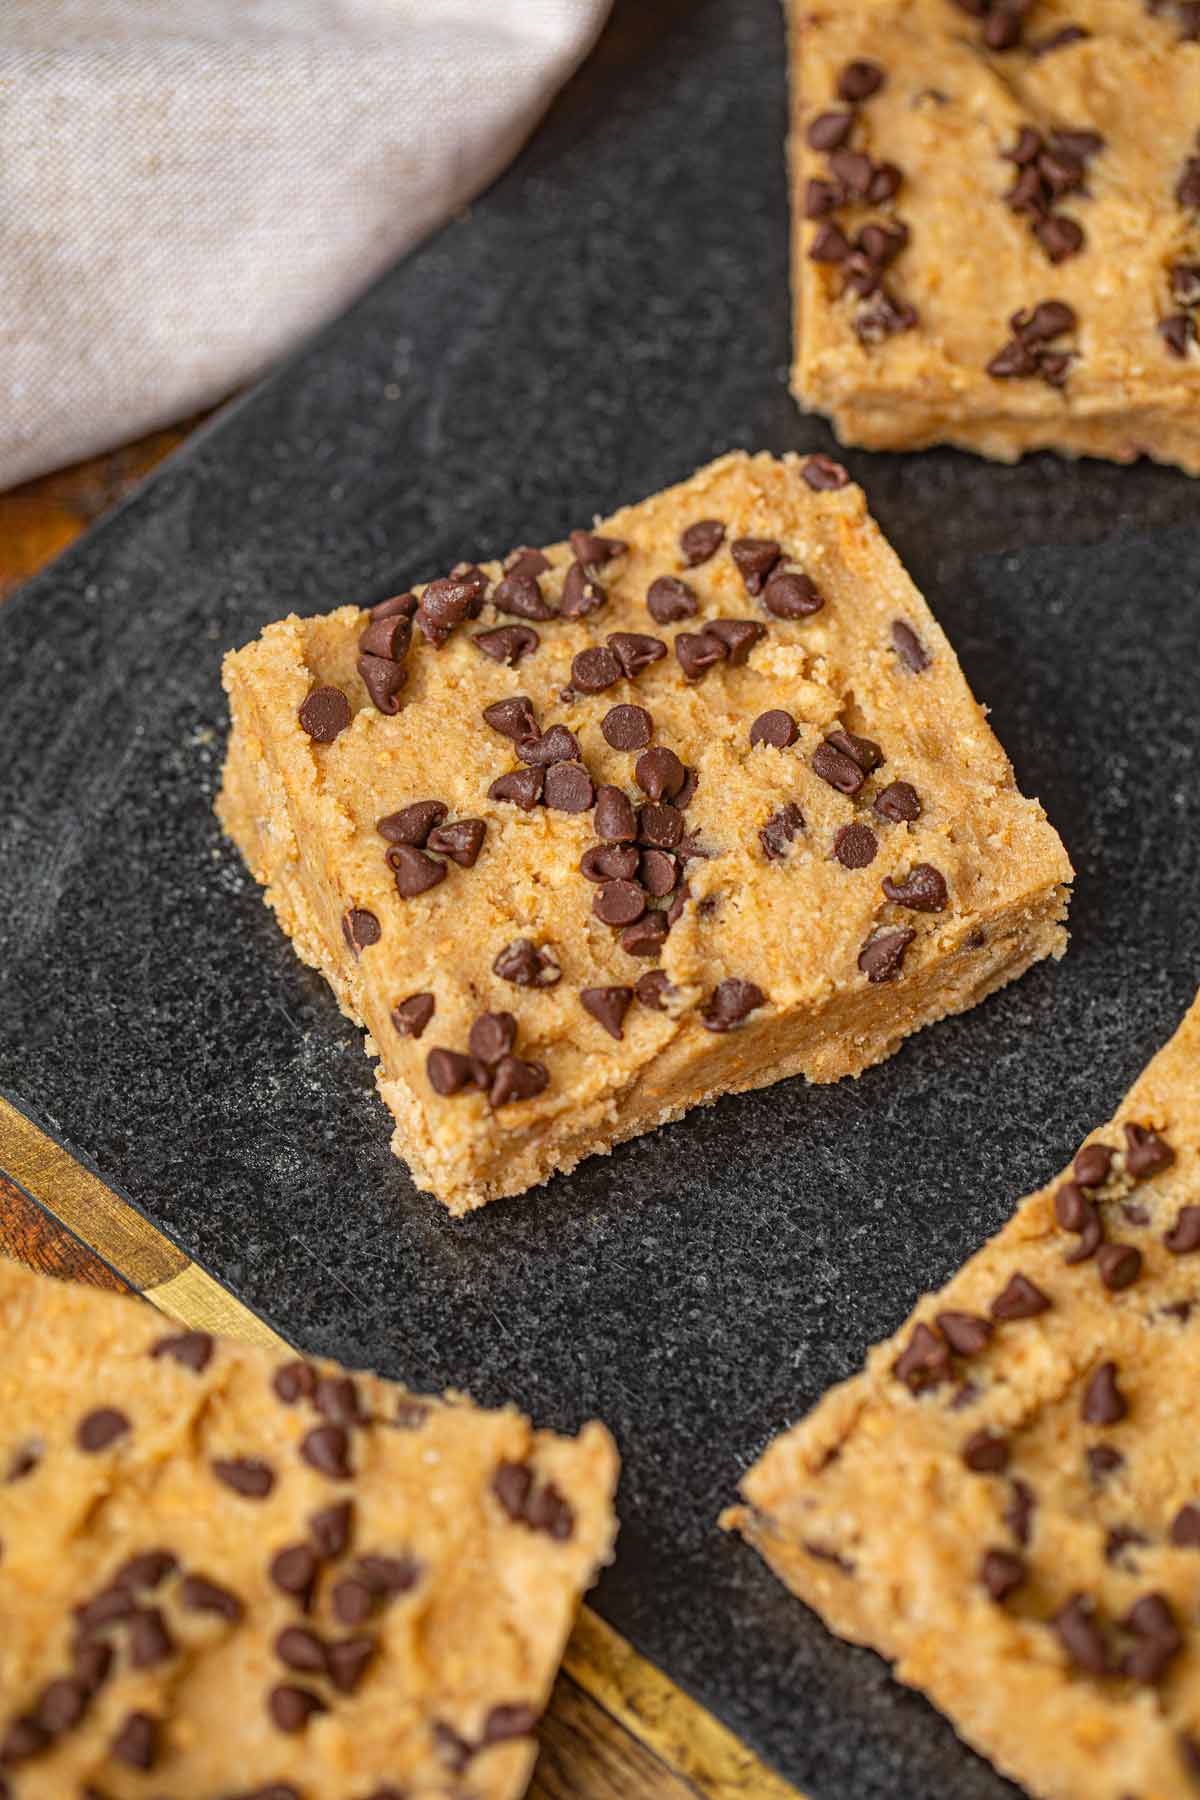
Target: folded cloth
188, 187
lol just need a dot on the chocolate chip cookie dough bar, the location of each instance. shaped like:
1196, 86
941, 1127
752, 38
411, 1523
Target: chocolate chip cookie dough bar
587, 836
1006, 1502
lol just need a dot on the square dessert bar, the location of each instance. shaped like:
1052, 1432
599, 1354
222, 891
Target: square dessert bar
996, 224
694, 802
227, 1572
1006, 1503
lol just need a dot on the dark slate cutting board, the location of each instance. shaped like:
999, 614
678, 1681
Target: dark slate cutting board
610, 315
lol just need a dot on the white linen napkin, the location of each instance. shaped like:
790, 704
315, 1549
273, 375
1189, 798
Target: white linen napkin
188, 187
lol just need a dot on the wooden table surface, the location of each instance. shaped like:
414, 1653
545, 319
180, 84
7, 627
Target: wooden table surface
616, 1726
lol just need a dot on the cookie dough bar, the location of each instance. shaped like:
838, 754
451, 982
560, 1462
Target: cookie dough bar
1006, 1502
696, 801
996, 224
228, 1573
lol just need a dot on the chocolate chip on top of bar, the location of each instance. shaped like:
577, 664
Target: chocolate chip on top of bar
722, 809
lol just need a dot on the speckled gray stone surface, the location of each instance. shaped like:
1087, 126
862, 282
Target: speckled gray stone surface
610, 315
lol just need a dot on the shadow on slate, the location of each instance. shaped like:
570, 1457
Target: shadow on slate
611, 314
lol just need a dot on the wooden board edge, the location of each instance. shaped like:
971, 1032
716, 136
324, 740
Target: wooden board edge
676, 1729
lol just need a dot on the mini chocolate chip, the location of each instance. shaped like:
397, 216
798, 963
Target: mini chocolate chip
646, 936
898, 803
398, 603
522, 963
198, 1594
780, 830
1145, 1152
859, 80
1184, 1236
337, 1398
1102, 1461
191, 1349
513, 718
1080, 1635
1000, 1572
595, 669
594, 551
1020, 1298
461, 841
292, 1707
884, 317
324, 713
1103, 1401
389, 1575
412, 824
653, 989
660, 825
301, 1649
966, 1333
519, 594
24, 1739
1018, 1514
1092, 1164
1072, 1208
148, 1570
829, 130
683, 894
293, 1381
739, 637
523, 787
791, 595
449, 1072
627, 728
415, 872
1185, 283
635, 651
730, 1004
1178, 331
526, 561
697, 652
411, 1016
331, 1528
492, 1036
1135, 1212
863, 751
1119, 1265
24, 1462
60, 1705
508, 644
882, 957
98, 1429
610, 862
619, 902
774, 730
687, 793
701, 541
986, 1452
1185, 1528
547, 1510
568, 788
294, 1569
512, 1721
615, 820
246, 1475
388, 638
1151, 1620
517, 1079
908, 647
924, 1361
361, 928
853, 169
581, 593
410, 1415
754, 558
922, 890
554, 746
110, 1604
327, 1449
382, 681
838, 769
608, 1006
147, 1638
855, 846
348, 1662
658, 872
824, 475
1059, 236
669, 599
136, 1741
659, 773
